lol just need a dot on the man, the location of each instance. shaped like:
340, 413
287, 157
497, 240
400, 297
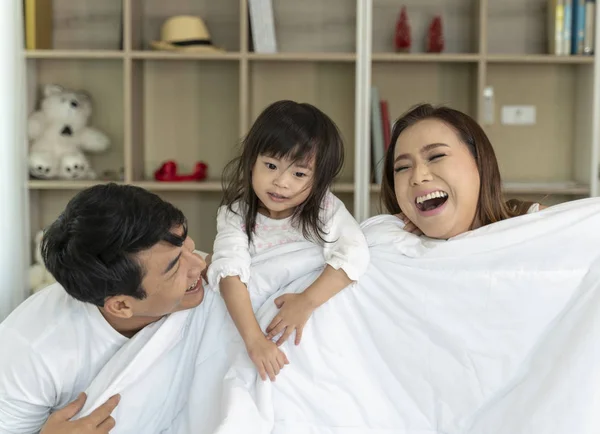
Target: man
122, 260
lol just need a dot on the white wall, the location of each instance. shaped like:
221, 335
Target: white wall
14, 223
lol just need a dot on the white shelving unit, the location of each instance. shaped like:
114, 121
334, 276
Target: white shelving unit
188, 107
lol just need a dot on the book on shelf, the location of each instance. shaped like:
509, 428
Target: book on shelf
380, 133
589, 26
385, 123
38, 24
262, 26
571, 27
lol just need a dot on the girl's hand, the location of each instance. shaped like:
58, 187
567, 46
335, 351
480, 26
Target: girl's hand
409, 226
294, 311
267, 357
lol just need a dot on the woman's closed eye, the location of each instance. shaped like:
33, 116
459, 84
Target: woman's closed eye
398, 169
436, 157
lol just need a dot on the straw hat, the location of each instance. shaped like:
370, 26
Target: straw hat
185, 33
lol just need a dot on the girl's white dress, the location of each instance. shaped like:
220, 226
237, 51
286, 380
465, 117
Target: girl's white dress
346, 247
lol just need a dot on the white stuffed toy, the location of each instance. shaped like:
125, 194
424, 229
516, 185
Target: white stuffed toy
39, 276
74, 165
59, 135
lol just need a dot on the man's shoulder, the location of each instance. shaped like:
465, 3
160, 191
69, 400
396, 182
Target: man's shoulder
43, 316
36, 372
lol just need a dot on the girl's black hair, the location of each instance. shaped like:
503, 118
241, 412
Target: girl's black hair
295, 131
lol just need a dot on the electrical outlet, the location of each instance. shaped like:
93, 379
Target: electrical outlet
518, 114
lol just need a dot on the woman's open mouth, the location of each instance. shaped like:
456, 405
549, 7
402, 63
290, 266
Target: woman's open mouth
431, 201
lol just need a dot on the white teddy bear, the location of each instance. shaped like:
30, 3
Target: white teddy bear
74, 165
39, 276
59, 135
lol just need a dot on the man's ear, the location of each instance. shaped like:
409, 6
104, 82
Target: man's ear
119, 306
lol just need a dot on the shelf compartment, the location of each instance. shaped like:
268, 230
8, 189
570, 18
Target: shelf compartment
222, 19
188, 113
328, 86
460, 24
87, 25
313, 26
557, 147
103, 80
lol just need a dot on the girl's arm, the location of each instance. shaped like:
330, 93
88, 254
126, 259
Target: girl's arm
269, 359
237, 300
231, 251
347, 258
229, 272
328, 284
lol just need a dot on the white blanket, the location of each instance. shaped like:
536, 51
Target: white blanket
492, 332
170, 375
153, 372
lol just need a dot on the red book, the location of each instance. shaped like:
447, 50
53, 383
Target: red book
385, 122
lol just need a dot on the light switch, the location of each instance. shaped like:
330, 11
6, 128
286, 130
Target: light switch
518, 114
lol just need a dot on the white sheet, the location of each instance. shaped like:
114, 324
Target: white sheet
170, 375
153, 371
492, 332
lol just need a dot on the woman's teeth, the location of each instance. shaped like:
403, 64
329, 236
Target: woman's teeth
434, 195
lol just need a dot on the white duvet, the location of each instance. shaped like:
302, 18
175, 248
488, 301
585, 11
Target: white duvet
494, 331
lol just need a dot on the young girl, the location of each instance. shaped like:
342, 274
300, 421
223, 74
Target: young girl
277, 192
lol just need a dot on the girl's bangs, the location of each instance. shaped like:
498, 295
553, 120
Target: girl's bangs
298, 153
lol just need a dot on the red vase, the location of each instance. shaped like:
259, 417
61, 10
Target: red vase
435, 39
402, 40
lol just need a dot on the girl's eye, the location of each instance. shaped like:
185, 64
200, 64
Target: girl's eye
436, 157
271, 166
300, 174
400, 169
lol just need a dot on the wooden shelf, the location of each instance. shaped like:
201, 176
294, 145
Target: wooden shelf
303, 57
561, 188
148, 185
538, 58
168, 55
558, 188
74, 54
59, 184
426, 57
209, 186
343, 187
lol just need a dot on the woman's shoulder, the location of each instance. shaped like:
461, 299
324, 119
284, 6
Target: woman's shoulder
381, 224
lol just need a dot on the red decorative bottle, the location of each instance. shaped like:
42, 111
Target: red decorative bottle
402, 40
435, 39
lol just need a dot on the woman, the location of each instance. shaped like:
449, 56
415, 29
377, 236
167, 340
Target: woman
444, 153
